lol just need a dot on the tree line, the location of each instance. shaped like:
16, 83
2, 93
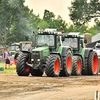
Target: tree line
17, 20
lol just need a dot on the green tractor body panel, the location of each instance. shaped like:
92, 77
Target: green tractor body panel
82, 52
43, 52
60, 50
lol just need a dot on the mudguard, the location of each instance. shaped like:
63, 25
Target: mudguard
87, 50
86, 54
64, 49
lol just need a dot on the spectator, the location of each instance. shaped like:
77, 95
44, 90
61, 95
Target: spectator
15, 58
7, 59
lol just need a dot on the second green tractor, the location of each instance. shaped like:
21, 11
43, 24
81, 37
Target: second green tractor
85, 60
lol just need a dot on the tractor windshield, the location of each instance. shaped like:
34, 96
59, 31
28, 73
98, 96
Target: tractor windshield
14, 47
45, 40
73, 42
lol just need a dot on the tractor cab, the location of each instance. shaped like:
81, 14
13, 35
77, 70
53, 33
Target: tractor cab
14, 47
50, 38
74, 40
29, 44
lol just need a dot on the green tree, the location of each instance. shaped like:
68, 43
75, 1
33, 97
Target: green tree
49, 17
79, 12
43, 24
93, 30
9, 15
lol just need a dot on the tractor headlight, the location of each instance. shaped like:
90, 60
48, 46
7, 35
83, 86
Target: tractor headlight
32, 59
38, 59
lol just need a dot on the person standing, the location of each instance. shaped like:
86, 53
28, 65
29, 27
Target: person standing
7, 59
15, 58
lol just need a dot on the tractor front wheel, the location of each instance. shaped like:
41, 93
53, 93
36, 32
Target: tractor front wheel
53, 66
21, 67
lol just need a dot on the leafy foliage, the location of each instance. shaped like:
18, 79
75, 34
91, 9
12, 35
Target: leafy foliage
17, 20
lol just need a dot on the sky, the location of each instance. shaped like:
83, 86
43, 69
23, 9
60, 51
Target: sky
58, 7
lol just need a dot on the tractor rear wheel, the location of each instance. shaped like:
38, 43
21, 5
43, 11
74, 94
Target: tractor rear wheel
66, 64
77, 65
35, 72
53, 66
93, 63
85, 68
21, 67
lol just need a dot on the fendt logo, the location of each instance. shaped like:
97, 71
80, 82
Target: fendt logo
35, 53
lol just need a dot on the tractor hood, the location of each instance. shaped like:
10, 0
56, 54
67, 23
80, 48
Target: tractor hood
40, 53
41, 49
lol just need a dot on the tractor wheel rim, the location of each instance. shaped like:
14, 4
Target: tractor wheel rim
95, 63
79, 66
56, 69
68, 63
27, 68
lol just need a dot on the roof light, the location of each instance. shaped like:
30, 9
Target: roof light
38, 27
84, 31
61, 27
62, 31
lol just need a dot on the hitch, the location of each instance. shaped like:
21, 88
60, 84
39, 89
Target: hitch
34, 66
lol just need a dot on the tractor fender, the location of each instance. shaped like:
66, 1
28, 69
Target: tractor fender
64, 49
87, 51
78, 55
57, 53
86, 54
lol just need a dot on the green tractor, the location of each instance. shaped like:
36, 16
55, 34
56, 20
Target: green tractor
85, 60
25, 48
48, 55
14, 47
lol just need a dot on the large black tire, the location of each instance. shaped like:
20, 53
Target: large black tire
77, 65
21, 68
85, 68
35, 72
66, 64
53, 65
93, 63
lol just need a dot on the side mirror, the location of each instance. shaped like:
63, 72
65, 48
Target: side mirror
26, 37
63, 38
85, 40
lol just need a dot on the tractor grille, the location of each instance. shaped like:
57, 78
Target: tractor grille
36, 55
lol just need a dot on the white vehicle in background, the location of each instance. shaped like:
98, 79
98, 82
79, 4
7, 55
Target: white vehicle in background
97, 49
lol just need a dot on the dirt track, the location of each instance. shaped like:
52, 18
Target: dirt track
13, 87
